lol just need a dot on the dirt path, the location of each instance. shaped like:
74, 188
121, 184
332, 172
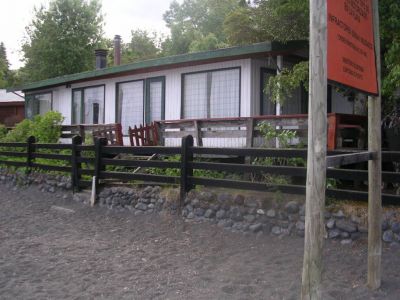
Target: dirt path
47, 252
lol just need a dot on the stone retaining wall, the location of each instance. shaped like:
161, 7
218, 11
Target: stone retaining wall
241, 212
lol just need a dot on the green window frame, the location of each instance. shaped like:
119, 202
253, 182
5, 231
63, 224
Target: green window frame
206, 95
80, 103
149, 87
32, 104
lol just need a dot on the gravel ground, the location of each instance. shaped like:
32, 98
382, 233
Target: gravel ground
58, 249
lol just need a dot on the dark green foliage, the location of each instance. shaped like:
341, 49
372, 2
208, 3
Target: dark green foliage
62, 38
390, 44
277, 20
196, 25
7, 76
3, 131
142, 45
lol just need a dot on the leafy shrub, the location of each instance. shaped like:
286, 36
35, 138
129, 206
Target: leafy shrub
284, 137
3, 131
45, 128
20, 133
269, 133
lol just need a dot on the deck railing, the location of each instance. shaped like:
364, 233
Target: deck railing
244, 132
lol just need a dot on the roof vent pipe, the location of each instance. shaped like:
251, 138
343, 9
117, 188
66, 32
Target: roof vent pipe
101, 58
117, 50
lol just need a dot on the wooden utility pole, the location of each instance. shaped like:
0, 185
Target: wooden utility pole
374, 170
316, 157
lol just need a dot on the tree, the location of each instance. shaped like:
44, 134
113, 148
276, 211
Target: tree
197, 25
266, 20
142, 45
62, 38
284, 20
390, 47
239, 27
5, 72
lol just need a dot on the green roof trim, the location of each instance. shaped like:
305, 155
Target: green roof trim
225, 53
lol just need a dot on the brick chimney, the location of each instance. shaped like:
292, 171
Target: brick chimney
101, 58
117, 50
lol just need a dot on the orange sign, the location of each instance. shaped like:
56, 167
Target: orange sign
351, 49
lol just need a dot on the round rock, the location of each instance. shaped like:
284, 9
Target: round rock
346, 226
292, 207
388, 236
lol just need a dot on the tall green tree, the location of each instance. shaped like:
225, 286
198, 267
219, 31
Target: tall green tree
5, 72
284, 20
143, 45
390, 44
197, 25
266, 20
61, 38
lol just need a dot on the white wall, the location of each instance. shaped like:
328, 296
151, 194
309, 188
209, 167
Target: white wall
62, 95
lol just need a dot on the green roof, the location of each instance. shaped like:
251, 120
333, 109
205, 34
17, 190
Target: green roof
164, 62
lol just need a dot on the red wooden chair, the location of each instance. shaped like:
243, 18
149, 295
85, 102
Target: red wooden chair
144, 135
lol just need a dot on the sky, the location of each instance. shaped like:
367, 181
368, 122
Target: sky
121, 16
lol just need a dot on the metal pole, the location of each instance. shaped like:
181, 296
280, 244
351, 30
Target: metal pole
316, 155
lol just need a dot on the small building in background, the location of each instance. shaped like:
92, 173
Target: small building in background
12, 108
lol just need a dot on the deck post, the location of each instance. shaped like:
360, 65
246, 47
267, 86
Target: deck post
198, 133
375, 172
316, 155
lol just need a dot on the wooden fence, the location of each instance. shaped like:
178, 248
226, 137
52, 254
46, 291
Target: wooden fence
101, 160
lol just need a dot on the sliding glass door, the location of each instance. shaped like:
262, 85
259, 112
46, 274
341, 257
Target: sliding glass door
140, 102
88, 105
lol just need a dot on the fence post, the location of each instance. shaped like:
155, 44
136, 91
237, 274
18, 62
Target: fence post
29, 153
98, 166
75, 165
186, 170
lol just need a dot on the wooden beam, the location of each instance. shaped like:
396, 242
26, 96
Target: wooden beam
250, 133
316, 156
348, 159
198, 133
375, 172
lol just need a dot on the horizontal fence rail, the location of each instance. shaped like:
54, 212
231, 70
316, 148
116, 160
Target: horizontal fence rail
106, 162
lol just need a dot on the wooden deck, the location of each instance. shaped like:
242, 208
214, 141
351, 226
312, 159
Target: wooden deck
344, 131
342, 128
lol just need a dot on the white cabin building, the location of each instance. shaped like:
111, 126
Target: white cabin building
212, 84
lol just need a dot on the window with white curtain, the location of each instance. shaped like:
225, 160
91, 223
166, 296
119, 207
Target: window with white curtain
155, 99
38, 104
140, 102
130, 104
88, 105
211, 94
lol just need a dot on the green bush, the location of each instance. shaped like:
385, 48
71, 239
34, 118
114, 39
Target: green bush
20, 133
45, 128
3, 131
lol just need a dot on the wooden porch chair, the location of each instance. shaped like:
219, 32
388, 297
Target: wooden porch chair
144, 135
113, 133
